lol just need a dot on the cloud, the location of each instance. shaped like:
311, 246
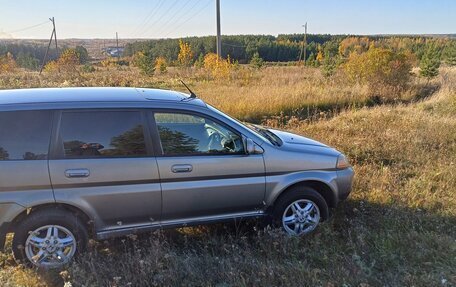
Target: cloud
4, 35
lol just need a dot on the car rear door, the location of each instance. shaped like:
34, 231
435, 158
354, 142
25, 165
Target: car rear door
102, 161
204, 169
24, 145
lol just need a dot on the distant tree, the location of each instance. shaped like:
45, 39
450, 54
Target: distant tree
27, 61
353, 45
82, 53
256, 61
145, 62
329, 66
311, 60
199, 63
185, 56
430, 63
449, 53
160, 65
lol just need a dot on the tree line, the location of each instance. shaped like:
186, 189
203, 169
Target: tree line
322, 50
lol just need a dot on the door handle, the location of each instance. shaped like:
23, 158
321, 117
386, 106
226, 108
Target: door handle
75, 173
181, 168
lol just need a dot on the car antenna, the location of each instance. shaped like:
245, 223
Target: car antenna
192, 94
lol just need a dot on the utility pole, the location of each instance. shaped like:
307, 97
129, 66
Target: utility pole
304, 45
219, 33
117, 41
53, 35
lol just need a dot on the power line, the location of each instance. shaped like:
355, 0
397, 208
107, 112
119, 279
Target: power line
161, 16
231, 45
189, 18
146, 19
172, 17
27, 28
189, 10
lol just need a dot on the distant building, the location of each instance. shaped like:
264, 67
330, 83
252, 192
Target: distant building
114, 51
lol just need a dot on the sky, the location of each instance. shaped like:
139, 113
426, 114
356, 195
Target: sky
181, 18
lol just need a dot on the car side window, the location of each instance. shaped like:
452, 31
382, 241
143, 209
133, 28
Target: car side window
102, 134
24, 135
186, 134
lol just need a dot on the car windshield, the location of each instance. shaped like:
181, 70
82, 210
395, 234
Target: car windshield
260, 131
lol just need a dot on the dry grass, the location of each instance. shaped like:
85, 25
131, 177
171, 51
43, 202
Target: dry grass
396, 229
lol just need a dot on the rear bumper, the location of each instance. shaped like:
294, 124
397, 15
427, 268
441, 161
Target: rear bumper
344, 182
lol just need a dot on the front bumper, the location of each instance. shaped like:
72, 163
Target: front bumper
344, 182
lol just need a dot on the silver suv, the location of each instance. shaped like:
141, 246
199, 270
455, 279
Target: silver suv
103, 162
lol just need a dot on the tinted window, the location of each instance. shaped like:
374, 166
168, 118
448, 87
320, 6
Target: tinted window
24, 135
183, 134
102, 134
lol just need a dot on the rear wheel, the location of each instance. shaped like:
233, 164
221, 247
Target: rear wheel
300, 211
49, 238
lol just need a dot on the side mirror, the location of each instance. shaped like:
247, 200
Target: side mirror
251, 147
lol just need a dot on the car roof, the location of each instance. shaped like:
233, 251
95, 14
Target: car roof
102, 94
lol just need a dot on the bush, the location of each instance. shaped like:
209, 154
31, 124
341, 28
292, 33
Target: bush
66, 63
385, 72
218, 67
88, 68
7, 63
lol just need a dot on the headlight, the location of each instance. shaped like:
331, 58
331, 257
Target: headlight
342, 162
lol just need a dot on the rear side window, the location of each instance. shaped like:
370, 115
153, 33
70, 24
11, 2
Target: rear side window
24, 135
102, 134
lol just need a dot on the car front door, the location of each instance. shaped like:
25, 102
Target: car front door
204, 169
102, 162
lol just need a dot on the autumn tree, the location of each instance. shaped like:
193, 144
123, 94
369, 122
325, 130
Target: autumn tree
218, 67
430, 62
160, 65
66, 63
185, 56
385, 72
351, 45
7, 63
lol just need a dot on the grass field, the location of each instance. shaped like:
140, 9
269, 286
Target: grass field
396, 229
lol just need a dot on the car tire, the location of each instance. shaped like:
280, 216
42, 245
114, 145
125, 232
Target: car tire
61, 225
305, 197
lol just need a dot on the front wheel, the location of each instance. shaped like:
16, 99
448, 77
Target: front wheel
300, 211
49, 238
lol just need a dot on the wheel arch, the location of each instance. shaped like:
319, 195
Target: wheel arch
88, 222
323, 188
